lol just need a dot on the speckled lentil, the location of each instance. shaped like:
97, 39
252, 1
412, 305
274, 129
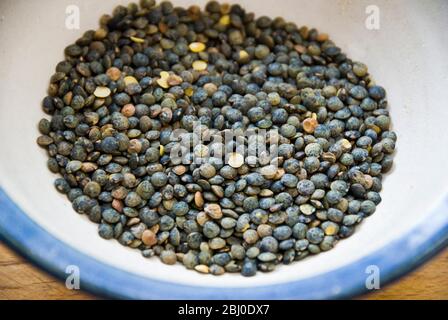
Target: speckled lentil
147, 70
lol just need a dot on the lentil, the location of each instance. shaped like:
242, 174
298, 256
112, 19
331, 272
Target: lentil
102, 92
123, 90
199, 65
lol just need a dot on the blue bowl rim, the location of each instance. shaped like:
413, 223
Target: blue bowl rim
51, 254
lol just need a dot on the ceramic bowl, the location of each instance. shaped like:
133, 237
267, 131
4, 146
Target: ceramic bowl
406, 55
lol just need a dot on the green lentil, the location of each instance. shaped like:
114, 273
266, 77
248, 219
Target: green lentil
123, 89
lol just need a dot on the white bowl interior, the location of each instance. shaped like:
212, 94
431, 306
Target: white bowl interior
406, 56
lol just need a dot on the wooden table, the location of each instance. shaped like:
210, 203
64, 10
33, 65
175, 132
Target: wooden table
21, 280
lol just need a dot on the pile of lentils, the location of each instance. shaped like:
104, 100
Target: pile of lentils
152, 68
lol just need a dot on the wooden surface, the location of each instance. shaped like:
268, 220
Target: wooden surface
21, 280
